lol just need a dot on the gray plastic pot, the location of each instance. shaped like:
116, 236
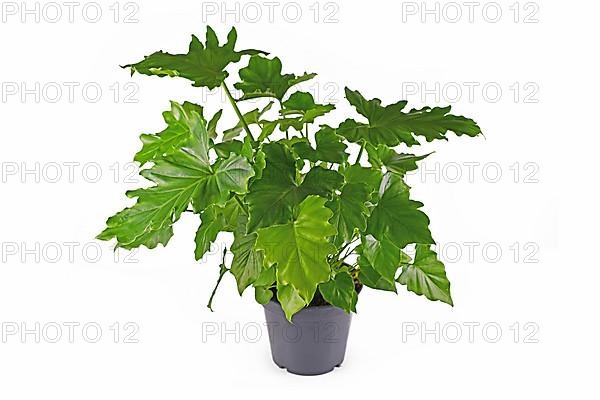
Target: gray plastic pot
314, 344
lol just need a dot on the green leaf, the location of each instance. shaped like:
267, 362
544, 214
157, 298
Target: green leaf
212, 223
303, 105
262, 294
266, 277
251, 117
373, 279
426, 276
290, 300
214, 220
368, 176
300, 247
383, 156
349, 211
212, 124
382, 255
272, 198
224, 149
247, 262
398, 218
319, 181
340, 292
203, 64
330, 147
180, 178
262, 78
391, 126
184, 124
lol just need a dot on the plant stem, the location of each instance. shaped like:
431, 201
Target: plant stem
241, 203
353, 240
362, 148
237, 110
222, 271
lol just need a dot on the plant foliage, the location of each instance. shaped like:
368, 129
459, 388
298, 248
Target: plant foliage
284, 184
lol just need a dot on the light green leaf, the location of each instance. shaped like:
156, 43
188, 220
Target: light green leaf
290, 300
181, 178
262, 78
340, 292
391, 126
426, 276
203, 64
185, 123
300, 247
398, 218
262, 294
247, 262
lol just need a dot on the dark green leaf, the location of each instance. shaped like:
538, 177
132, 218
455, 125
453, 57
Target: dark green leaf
382, 255
368, 176
262, 78
397, 217
349, 211
426, 276
391, 126
373, 279
247, 262
330, 147
340, 292
214, 220
202, 64
212, 124
272, 198
251, 118
303, 105
383, 156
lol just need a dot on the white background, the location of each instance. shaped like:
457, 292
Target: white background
381, 49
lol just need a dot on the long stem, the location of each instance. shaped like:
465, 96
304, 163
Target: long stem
362, 148
222, 271
237, 110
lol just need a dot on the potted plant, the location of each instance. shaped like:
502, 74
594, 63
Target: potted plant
311, 225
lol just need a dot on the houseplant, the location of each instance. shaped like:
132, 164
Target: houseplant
298, 205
